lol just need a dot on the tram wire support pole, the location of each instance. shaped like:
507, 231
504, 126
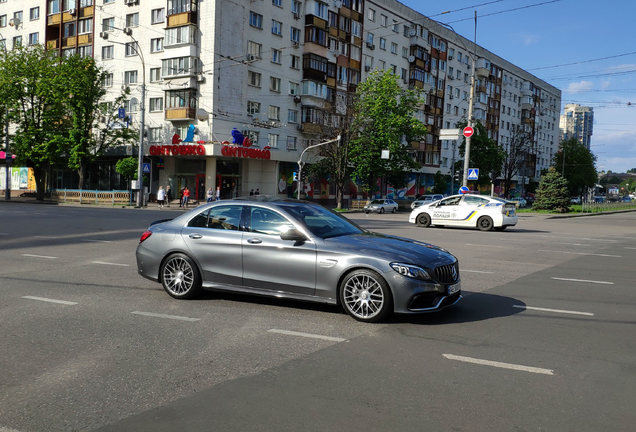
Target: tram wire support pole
300, 163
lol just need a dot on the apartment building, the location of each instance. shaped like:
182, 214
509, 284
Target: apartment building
577, 122
280, 72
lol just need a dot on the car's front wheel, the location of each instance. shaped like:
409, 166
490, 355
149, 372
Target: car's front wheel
381, 210
180, 277
424, 220
365, 296
394, 210
485, 223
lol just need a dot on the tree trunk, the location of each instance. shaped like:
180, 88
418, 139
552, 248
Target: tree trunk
83, 175
39, 173
339, 195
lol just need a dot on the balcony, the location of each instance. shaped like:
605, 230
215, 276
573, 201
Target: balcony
52, 44
86, 12
182, 18
70, 41
54, 19
174, 114
84, 39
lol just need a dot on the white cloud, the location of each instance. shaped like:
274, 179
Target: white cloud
615, 147
605, 85
530, 39
579, 87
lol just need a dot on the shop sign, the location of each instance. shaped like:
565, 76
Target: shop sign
177, 150
246, 152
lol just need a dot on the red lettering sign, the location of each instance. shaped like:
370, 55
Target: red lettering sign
246, 152
176, 150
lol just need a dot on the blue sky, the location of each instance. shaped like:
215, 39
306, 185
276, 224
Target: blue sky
562, 32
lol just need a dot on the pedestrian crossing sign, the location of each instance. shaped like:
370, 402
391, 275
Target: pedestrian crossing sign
473, 173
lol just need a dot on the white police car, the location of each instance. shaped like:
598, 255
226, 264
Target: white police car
483, 212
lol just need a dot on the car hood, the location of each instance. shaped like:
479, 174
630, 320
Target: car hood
393, 248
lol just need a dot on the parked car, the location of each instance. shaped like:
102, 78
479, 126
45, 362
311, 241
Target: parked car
575, 200
426, 199
529, 200
483, 212
297, 250
599, 199
626, 199
521, 202
381, 206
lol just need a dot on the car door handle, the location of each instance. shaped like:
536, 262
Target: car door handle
254, 241
195, 236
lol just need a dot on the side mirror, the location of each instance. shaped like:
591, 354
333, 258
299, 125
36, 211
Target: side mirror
293, 235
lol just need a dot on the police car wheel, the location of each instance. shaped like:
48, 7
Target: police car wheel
424, 220
485, 223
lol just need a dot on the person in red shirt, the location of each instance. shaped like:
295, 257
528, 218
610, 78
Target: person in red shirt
186, 197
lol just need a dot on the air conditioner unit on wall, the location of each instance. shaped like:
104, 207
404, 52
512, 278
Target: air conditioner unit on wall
250, 57
370, 45
367, 68
72, 11
450, 57
103, 35
413, 32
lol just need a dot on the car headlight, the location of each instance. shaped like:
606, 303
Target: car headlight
411, 271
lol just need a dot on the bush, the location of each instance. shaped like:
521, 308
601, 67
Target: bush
553, 193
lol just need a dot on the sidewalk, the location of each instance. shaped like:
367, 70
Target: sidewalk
174, 204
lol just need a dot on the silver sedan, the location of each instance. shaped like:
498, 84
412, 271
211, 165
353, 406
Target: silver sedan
297, 250
381, 206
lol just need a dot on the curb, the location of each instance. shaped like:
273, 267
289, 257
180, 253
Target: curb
591, 214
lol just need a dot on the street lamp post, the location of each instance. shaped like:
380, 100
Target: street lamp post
142, 109
453, 168
8, 158
300, 163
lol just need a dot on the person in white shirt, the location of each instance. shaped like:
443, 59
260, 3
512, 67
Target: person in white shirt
161, 196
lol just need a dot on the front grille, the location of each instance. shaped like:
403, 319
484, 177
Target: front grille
448, 273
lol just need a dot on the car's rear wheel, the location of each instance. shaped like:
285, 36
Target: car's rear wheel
180, 277
501, 228
381, 210
424, 220
365, 296
485, 223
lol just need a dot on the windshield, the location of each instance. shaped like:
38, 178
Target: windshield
323, 222
377, 202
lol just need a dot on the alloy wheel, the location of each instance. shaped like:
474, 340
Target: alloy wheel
178, 276
363, 297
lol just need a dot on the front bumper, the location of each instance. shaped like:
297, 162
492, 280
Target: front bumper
372, 210
412, 296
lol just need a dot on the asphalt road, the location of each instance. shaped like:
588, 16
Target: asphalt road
543, 339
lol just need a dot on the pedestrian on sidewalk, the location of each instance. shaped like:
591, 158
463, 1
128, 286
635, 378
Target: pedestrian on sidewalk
168, 195
258, 192
161, 196
218, 193
181, 196
210, 194
251, 192
186, 197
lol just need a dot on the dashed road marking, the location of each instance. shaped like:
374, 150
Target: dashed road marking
113, 264
574, 244
553, 310
307, 335
97, 241
475, 271
499, 364
582, 253
50, 300
156, 315
39, 256
47, 237
584, 280
482, 245
629, 247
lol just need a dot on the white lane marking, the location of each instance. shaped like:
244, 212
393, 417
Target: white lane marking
307, 335
584, 280
47, 237
625, 247
39, 256
605, 240
581, 253
4, 429
481, 245
50, 300
4, 233
574, 244
475, 271
553, 310
174, 317
97, 241
107, 263
499, 364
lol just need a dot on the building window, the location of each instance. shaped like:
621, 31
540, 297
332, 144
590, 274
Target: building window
371, 15
85, 26
253, 107
154, 135
155, 74
273, 113
272, 140
383, 20
156, 45
256, 20
382, 43
34, 13
274, 84
3, 20
108, 24
296, 6
131, 105
254, 49
180, 35
253, 78
33, 38
322, 10
179, 66
107, 81
295, 35
405, 52
132, 20
394, 48
277, 28
291, 143
108, 52
17, 41
278, 3
156, 104
130, 77
294, 88
292, 116
395, 27
69, 29
54, 6
132, 49
157, 16
276, 55
295, 62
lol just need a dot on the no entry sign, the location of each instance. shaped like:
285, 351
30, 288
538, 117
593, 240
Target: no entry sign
468, 131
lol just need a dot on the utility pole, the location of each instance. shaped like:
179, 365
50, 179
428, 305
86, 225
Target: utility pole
470, 110
453, 168
300, 164
8, 158
140, 167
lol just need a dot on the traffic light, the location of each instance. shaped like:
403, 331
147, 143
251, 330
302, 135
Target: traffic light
295, 177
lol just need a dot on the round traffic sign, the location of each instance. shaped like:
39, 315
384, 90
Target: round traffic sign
468, 131
464, 190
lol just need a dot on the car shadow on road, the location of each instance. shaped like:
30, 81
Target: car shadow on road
472, 307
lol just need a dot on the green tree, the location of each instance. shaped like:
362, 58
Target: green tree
127, 168
515, 155
383, 120
485, 153
580, 166
439, 186
631, 171
33, 91
93, 125
553, 193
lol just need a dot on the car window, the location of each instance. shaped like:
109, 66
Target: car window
227, 217
450, 201
200, 220
473, 200
322, 222
265, 221
377, 202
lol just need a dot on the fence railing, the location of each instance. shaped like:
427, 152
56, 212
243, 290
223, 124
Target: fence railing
597, 207
83, 196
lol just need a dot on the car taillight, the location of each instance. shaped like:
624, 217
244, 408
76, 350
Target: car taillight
145, 235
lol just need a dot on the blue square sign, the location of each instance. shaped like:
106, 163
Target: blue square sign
473, 173
121, 113
146, 168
